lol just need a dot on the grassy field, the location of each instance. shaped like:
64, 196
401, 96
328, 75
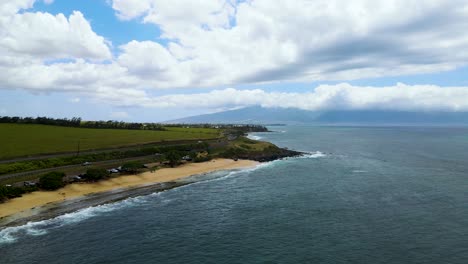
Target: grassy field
18, 140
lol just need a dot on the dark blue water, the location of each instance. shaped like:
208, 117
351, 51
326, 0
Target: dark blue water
377, 195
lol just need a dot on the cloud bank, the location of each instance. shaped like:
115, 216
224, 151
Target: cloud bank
213, 43
324, 97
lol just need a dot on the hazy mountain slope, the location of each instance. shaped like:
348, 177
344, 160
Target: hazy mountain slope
295, 116
253, 115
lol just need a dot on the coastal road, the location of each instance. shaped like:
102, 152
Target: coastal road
69, 168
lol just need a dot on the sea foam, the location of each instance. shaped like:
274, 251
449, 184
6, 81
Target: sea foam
12, 234
254, 137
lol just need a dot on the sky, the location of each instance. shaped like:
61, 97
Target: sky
156, 60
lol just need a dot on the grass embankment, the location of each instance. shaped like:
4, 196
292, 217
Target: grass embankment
31, 165
244, 148
241, 148
19, 140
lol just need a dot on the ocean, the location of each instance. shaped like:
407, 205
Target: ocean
361, 195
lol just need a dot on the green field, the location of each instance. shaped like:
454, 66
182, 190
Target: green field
19, 140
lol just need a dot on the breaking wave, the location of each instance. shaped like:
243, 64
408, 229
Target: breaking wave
254, 137
313, 155
12, 234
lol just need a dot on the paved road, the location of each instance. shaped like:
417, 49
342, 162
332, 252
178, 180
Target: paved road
62, 168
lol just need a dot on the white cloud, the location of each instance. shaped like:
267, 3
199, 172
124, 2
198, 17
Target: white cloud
226, 42
45, 36
212, 43
324, 97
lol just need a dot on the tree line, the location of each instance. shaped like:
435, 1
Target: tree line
77, 122
239, 127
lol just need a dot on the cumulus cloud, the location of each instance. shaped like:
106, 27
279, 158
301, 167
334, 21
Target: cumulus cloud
229, 42
324, 97
212, 43
36, 36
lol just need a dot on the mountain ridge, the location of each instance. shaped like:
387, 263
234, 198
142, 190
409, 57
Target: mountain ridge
260, 115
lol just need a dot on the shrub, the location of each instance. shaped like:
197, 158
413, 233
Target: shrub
52, 180
132, 167
95, 174
173, 157
245, 146
13, 192
202, 158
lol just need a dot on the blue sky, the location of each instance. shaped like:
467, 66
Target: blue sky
152, 60
103, 20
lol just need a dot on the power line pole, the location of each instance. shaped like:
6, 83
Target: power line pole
78, 150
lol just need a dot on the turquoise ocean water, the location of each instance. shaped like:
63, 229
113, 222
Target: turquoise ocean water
361, 195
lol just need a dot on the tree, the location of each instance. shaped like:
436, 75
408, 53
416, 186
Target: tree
95, 174
10, 192
173, 157
52, 181
132, 167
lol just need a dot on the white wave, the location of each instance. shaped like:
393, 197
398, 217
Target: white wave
219, 175
313, 155
11, 234
254, 137
359, 171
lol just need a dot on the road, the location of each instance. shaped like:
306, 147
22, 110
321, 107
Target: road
69, 167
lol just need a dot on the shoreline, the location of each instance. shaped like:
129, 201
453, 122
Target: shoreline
78, 195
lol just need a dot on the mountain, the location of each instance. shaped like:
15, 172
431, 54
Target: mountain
255, 115
259, 115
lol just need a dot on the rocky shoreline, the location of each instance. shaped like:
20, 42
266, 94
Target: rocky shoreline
53, 210
279, 153
56, 209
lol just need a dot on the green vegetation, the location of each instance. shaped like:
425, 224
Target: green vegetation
75, 143
18, 140
30, 165
132, 167
96, 174
173, 157
52, 181
76, 122
9, 192
244, 148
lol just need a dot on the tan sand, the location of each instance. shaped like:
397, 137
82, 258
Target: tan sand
41, 198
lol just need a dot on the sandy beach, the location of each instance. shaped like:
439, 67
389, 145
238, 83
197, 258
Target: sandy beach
41, 198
